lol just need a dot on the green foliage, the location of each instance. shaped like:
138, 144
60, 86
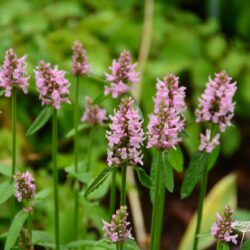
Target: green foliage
15, 229
194, 172
168, 173
143, 177
175, 158
41, 120
246, 245
6, 191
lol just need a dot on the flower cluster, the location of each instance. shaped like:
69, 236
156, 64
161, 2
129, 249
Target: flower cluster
13, 73
167, 121
216, 106
24, 186
222, 229
207, 143
93, 114
126, 136
122, 73
80, 65
117, 231
52, 85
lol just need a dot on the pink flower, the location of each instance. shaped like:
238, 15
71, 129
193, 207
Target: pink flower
122, 75
93, 114
13, 73
52, 85
125, 136
216, 103
117, 231
222, 229
80, 64
167, 121
24, 186
207, 143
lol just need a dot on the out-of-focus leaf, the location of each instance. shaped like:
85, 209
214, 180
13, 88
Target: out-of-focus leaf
242, 226
43, 194
5, 170
2, 92
81, 127
230, 141
175, 157
168, 173
143, 177
194, 172
246, 245
6, 191
212, 158
223, 193
39, 237
131, 245
216, 46
41, 120
15, 229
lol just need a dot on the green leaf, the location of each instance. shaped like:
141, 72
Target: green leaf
223, 193
222, 246
175, 157
15, 229
246, 245
81, 127
144, 179
194, 173
2, 91
168, 173
6, 191
40, 121
5, 170
81, 243
39, 237
98, 180
131, 245
212, 158
43, 194
100, 98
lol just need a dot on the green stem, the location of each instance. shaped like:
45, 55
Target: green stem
13, 111
123, 187
112, 194
89, 148
200, 207
30, 225
158, 207
55, 175
76, 122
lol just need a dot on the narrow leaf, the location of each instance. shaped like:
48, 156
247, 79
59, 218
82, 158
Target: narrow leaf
168, 173
2, 91
43, 194
81, 127
144, 179
194, 172
98, 181
175, 157
15, 229
212, 158
5, 170
6, 191
246, 245
100, 98
39, 237
40, 121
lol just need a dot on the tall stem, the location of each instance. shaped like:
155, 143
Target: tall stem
200, 207
158, 206
112, 194
55, 175
123, 187
76, 122
89, 148
30, 225
13, 114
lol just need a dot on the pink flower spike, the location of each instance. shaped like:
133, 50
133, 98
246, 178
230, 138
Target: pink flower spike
93, 114
122, 75
216, 103
208, 144
117, 231
222, 229
13, 73
52, 85
125, 137
167, 121
24, 186
80, 64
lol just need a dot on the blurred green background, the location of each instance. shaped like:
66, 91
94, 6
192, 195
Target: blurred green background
191, 38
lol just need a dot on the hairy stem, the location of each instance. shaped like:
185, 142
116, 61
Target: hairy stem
200, 207
55, 175
76, 121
